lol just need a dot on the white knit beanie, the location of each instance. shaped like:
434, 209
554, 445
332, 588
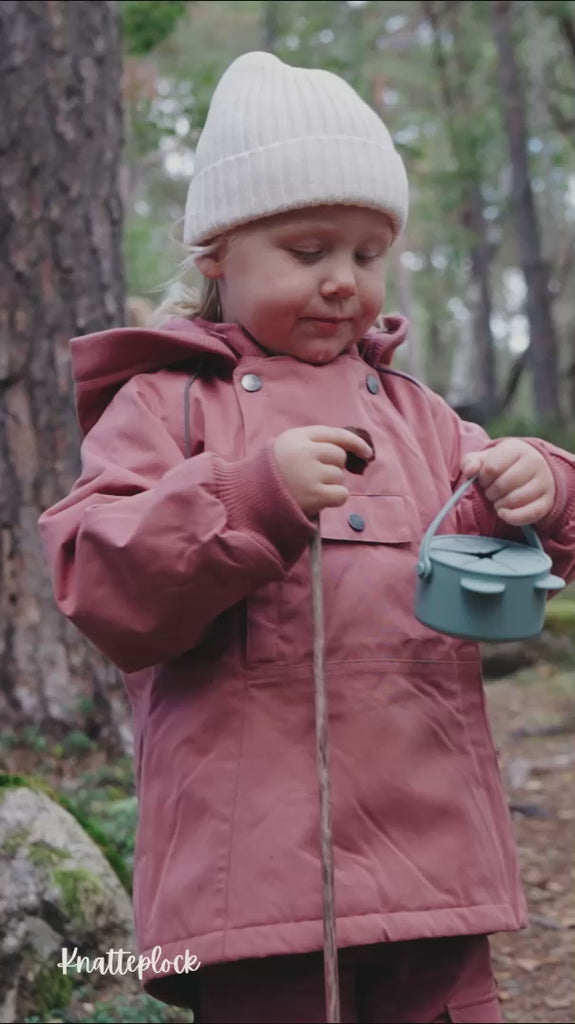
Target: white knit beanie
278, 138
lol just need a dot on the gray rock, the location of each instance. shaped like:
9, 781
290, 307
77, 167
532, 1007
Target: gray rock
57, 889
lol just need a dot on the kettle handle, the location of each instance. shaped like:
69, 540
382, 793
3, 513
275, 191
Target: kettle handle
424, 561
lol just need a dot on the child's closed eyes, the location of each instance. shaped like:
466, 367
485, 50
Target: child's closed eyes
315, 255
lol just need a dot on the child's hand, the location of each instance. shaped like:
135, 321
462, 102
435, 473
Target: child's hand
311, 461
515, 478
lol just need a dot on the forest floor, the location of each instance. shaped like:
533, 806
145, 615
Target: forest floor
533, 720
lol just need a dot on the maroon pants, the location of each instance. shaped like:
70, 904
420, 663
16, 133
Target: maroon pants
429, 981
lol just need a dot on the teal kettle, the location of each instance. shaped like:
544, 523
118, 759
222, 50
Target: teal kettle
482, 588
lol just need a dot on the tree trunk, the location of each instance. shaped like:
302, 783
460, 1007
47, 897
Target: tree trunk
480, 254
271, 25
567, 25
459, 107
543, 343
60, 275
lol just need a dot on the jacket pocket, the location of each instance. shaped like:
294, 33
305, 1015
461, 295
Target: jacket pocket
481, 1011
368, 557
369, 519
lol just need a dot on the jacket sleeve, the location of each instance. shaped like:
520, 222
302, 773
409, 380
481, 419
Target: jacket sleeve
149, 547
475, 514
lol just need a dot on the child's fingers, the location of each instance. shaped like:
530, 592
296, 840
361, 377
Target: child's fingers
329, 454
471, 464
518, 497
332, 475
510, 480
525, 515
491, 463
341, 437
334, 496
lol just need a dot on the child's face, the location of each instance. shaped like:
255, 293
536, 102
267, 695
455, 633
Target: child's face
307, 283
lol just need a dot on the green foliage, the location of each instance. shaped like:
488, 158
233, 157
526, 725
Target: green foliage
556, 8
86, 706
107, 801
77, 742
148, 22
97, 833
560, 617
150, 258
8, 780
51, 988
137, 1010
517, 426
32, 738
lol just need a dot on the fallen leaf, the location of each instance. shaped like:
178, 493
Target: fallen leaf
535, 877
537, 895
528, 965
557, 1002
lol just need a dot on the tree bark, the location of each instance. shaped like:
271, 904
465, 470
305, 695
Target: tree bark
543, 342
60, 275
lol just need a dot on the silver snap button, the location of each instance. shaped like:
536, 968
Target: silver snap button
372, 383
251, 382
356, 522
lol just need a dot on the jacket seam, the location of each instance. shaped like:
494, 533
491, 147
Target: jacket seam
232, 830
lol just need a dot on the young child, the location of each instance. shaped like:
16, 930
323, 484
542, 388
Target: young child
211, 446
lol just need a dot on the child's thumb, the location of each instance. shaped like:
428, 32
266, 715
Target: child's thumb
471, 464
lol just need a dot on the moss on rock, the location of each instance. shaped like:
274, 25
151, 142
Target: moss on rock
82, 893
45, 855
50, 990
14, 841
9, 781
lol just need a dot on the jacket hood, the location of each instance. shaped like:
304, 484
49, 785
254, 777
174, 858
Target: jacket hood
104, 361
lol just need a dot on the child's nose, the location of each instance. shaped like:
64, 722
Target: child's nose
340, 281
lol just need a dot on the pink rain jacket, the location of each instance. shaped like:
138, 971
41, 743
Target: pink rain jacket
192, 574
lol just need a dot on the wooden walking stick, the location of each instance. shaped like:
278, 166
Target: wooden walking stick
330, 969
331, 974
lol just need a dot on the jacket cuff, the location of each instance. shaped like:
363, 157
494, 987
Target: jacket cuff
563, 508
257, 501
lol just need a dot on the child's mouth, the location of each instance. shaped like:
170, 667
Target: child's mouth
326, 325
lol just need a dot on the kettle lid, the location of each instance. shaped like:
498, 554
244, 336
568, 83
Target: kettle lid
488, 556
